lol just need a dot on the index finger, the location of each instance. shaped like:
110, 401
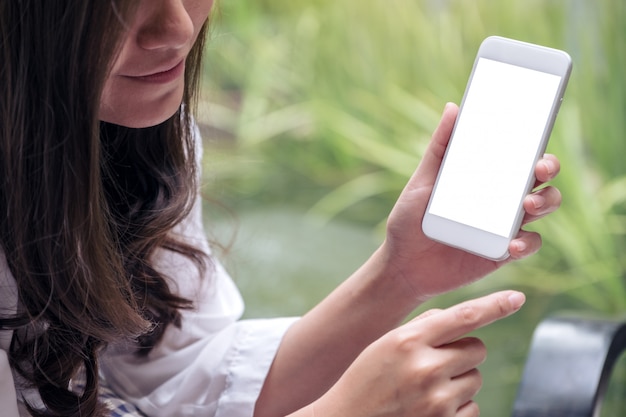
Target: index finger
456, 321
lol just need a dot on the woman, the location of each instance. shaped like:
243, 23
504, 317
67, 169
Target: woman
106, 270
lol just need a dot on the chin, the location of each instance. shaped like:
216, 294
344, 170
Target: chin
146, 121
141, 113
140, 119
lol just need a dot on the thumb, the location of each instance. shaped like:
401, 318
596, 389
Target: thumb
426, 173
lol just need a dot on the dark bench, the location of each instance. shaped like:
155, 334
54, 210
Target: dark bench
569, 365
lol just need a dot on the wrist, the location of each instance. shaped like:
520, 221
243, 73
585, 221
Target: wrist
392, 281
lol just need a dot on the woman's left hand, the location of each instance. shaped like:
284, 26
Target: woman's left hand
430, 268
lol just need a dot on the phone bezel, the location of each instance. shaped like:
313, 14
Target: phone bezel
522, 54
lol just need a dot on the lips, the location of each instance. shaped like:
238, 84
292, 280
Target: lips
170, 73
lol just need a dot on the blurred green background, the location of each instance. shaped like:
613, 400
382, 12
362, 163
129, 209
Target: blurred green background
314, 115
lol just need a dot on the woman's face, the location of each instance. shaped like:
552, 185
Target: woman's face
146, 84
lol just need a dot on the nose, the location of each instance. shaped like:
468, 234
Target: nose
168, 25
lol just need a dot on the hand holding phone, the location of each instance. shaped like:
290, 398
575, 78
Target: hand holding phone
506, 116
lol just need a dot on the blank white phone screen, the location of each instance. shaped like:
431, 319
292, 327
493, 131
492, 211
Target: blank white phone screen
495, 142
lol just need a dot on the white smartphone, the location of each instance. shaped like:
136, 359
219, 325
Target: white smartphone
506, 116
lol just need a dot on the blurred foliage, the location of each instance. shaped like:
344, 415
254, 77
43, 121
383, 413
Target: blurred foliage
328, 105
325, 107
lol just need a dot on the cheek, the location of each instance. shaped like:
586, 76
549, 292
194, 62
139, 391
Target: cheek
199, 11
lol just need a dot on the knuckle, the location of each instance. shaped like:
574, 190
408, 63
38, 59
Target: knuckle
503, 306
441, 401
471, 409
427, 371
405, 340
482, 352
401, 341
429, 313
423, 373
477, 379
556, 196
468, 314
477, 347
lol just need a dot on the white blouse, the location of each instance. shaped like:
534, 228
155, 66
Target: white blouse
8, 306
214, 365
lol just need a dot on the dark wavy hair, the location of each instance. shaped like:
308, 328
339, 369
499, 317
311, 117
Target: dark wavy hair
83, 204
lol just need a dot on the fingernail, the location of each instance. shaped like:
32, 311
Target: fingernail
538, 201
517, 300
520, 246
549, 166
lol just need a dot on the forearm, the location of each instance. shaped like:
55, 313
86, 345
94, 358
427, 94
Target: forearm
318, 348
407, 269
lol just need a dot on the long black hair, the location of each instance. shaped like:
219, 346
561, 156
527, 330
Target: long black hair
83, 204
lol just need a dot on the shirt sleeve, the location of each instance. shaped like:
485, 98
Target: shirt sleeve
214, 364
220, 375
8, 400
8, 306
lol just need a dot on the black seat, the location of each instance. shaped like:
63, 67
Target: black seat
569, 365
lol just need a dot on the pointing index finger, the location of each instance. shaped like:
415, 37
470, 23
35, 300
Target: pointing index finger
456, 321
